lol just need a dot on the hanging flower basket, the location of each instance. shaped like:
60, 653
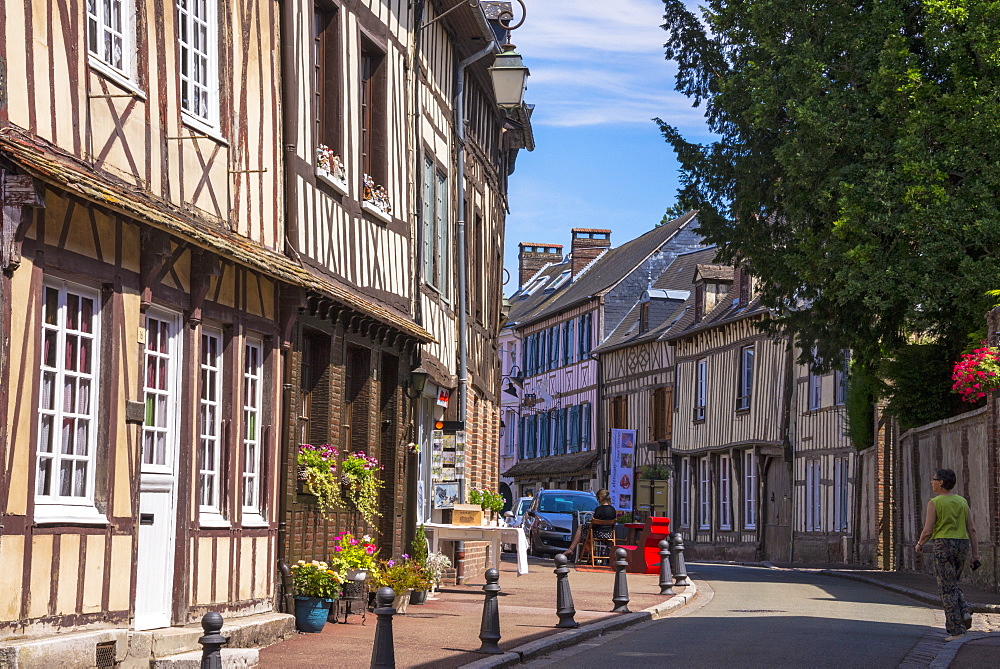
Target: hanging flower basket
977, 374
360, 484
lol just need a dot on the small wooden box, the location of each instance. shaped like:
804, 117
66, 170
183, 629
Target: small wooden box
466, 514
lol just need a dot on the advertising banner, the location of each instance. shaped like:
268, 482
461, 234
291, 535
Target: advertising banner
622, 478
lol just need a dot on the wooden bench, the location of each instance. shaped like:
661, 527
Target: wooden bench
644, 557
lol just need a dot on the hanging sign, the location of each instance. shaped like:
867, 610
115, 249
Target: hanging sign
621, 483
443, 396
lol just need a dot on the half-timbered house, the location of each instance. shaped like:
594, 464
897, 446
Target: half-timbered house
382, 101
560, 314
761, 467
142, 260
638, 376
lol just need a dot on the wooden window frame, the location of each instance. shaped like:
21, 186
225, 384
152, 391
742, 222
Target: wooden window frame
101, 34
171, 394
749, 491
704, 494
252, 432
841, 498
725, 493
207, 119
700, 389
813, 496
744, 391
685, 493
373, 119
211, 406
55, 331
327, 81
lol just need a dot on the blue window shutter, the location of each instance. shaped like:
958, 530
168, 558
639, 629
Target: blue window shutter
585, 441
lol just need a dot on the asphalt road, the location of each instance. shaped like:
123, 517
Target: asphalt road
756, 617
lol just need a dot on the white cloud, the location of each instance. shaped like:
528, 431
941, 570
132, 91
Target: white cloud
598, 63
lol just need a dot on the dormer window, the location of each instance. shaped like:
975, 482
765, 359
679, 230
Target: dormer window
699, 302
643, 317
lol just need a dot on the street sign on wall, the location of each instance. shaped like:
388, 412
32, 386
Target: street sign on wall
621, 482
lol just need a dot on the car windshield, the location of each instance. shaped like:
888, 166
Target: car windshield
556, 503
522, 506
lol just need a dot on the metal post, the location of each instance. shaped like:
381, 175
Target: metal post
620, 596
680, 573
211, 642
666, 578
489, 630
564, 598
383, 652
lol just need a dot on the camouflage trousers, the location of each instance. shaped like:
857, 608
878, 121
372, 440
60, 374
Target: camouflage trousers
949, 558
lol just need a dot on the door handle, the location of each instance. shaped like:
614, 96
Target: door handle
145, 519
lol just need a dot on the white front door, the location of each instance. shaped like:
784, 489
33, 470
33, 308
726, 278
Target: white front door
158, 479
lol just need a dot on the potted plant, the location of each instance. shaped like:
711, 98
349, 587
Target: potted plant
361, 484
353, 557
977, 373
398, 575
434, 567
318, 474
487, 500
418, 556
316, 585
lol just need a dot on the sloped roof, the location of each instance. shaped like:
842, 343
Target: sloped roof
43, 161
601, 275
522, 306
678, 276
725, 311
554, 464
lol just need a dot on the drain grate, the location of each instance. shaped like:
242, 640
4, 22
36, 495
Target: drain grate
757, 611
106, 654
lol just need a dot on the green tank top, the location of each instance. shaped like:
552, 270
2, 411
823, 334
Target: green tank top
951, 512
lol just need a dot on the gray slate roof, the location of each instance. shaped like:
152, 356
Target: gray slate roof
601, 275
664, 314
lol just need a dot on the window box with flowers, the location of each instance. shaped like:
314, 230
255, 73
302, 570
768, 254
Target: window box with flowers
330, 169
318, 475
359, 473
977, 374
375, 200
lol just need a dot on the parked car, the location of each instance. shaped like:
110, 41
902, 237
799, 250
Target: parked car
515, 519
548, 522
520, 506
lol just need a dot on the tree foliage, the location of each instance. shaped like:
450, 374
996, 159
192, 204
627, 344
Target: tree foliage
856, 166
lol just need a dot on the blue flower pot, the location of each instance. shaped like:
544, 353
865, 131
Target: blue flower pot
311, 613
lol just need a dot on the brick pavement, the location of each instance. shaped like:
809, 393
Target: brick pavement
444, 632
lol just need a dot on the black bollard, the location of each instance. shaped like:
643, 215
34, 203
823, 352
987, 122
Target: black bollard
666, 579
211, 642
564, 598
384, 652
489, 630
620, 596
680, 572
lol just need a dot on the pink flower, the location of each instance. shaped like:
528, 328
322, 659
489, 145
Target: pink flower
337, 549
370, 549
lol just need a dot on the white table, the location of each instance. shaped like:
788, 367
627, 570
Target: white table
495, 535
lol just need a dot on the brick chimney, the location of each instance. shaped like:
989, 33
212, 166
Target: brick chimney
587, 245
533, 257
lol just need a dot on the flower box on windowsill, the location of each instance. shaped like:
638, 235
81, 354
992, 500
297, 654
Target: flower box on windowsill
376, 211
330, 179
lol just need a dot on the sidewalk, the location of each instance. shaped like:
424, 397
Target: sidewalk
981, 648
444, 632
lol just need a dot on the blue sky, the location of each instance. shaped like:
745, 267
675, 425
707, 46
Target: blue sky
598, 77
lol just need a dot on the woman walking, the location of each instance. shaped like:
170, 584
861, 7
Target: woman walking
949, 524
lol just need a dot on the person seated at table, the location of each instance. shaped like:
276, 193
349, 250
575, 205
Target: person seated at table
603, 522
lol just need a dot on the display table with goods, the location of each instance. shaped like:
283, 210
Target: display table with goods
493, 534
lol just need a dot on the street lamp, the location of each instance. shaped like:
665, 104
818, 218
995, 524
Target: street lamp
514, 376
417, 383
509, 76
